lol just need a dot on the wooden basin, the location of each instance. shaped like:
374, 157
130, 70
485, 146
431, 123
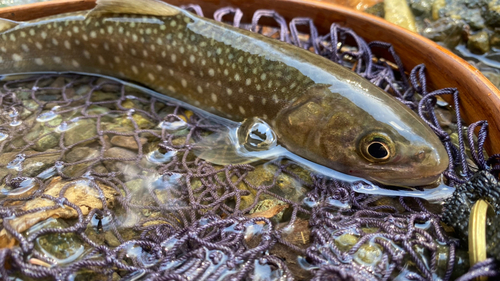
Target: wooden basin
479, 98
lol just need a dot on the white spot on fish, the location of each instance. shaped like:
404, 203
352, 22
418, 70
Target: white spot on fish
163, 27
75, 63
230, 106
191, 59
180, 35
39, 61
134, 37
16, 57
257, 87
214, 97
229, 91
181, 50
110, 29
250, 98
242, 110
226, 72
3, 49
173, 23
263, 76
57, 60
93, 34
106, 46
101, 60
133, 52
211, 72
43, 34
275, 98
237, 77
117, 59
86, 54
159, 67
85, 37
144, 53
248, 81
151, 76
173, 57
1, 60
25, 47
199, 89
184, 83
120, 29
67, 45
264, 101
135, 70
203, 62
250, 60
76, 29
120, 46
12, 37
23, 34
184, 63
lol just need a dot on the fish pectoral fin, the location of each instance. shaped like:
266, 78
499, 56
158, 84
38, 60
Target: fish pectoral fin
6, 24
140, 7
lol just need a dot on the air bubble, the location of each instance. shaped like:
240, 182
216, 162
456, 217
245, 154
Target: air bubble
3, 136
156, 157
310, 202
256, 135
15, 123
22, 187
46, 116
63, 127
47, 173
173, 126
17, 163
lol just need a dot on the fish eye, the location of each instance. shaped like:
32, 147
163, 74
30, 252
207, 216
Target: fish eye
376, 147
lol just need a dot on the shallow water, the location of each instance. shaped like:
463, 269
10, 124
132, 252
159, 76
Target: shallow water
119, 169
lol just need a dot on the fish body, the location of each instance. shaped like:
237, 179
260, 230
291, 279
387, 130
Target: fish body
318, 109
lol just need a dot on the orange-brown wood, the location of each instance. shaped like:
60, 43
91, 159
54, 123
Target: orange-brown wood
479, 98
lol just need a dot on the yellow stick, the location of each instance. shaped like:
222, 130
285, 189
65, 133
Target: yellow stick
477, 234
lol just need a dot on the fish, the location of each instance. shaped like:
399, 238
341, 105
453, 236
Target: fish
318, 110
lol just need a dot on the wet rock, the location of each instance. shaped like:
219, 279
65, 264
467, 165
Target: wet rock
64, 248
376, 10
495, 38
31, 166
108, 85
479, 43
437, 5
421, 8
127, 142
128, 168
299, 235
398, 12
448, 31
81, 194
492, 13
98, 96
79, 154
270, 208
84, 130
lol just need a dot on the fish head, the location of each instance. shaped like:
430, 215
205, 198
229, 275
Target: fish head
390, 146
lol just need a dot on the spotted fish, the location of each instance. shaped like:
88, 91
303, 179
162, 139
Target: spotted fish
318, 109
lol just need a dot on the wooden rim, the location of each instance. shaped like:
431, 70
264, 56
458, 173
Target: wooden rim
480, 99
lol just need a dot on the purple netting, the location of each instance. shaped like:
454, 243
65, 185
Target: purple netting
144, 207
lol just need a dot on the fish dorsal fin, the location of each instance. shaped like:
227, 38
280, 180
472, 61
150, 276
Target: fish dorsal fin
140, 7
7, 24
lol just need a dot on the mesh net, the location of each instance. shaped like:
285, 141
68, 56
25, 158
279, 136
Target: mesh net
99, 181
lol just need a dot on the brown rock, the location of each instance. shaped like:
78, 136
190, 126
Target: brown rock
127, 141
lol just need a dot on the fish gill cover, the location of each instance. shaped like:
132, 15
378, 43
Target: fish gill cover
99, 182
